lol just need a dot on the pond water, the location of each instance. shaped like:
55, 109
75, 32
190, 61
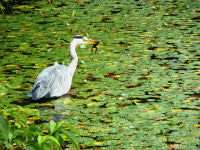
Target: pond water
139, 91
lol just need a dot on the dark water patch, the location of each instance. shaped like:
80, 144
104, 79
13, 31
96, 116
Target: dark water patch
20, 89
188, 108
152, 48
127, 103
83, 146
153, 56
79, 83
195, 94
53, 111
32, 44
123, 43
43, 100
44, 22
116, 11
58, 117
106, 19
7, 71
196, 18
40, 121
62, 4
21, 102
180, 68
25, 53
169, 58
90, 90
45, 107
73, 96
146, 100
103, 105
105, 121
56, 15
92, 78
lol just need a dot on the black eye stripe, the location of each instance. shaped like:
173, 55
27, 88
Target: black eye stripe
78, 37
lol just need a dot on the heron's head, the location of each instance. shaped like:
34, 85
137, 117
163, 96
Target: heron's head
79, 39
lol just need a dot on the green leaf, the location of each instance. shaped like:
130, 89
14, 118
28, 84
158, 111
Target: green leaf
4, 126
32, 147
46, 146
72, 138
16, 133
58, 136
41, 139
53, 139
71, 127
55, 126
52, 127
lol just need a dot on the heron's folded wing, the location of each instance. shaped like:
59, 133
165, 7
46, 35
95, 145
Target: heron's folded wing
43, 83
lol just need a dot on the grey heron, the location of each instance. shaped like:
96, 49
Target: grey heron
56, 80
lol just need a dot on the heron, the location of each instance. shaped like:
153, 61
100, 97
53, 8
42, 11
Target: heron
55, 81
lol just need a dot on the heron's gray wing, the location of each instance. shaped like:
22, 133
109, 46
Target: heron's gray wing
42, 84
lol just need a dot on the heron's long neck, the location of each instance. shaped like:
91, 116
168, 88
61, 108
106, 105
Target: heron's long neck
74, 57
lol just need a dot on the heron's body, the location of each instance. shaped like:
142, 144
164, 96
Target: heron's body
52, 82
55, 81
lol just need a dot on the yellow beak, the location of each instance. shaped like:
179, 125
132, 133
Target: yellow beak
89, 41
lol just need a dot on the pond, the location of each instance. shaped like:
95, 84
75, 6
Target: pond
139, 91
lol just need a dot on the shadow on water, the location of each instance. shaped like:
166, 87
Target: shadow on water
53, 108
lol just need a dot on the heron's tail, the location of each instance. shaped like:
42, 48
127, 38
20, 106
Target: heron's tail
29, 94
38, 91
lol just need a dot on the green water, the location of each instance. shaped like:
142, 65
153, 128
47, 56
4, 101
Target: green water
140, 91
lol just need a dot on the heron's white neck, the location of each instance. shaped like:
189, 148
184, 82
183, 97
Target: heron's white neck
74, 57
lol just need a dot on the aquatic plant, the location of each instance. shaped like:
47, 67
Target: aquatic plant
32, 137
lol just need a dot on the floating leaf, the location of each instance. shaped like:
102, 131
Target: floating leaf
67, 101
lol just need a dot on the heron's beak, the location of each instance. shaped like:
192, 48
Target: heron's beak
89, 41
